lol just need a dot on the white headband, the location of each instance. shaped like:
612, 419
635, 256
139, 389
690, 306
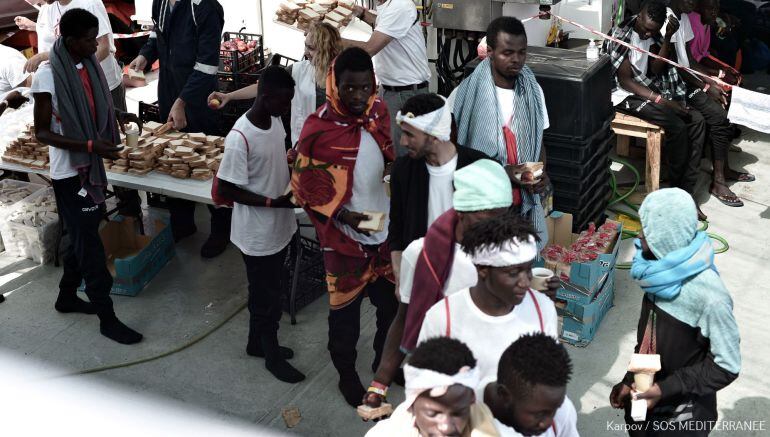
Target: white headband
437, 123
419, 381
510, 253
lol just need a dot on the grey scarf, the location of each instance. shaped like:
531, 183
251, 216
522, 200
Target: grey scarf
76, 119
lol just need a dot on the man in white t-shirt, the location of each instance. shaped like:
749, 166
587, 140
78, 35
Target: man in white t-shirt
659, 98
254, 175
529, 395
501, 307
48, 30
500, 110
75, 117
400, 55
704, 95
12, 76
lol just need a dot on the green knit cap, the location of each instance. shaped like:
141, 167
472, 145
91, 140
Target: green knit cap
482, 185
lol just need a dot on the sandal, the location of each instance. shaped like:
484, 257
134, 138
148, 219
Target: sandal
742, 177
731, 201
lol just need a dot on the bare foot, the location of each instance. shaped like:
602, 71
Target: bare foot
737, 176
723, 193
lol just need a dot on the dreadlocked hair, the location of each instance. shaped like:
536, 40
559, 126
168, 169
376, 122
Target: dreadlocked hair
495, 231
534, 359
443, 355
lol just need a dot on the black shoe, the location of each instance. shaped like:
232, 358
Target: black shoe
351, 388
181, 232
255, 350
214, 246
2, 298
74, 304
115, 330
275, 363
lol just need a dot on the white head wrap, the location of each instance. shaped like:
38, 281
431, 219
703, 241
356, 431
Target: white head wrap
437, 123
510, 253
419, 381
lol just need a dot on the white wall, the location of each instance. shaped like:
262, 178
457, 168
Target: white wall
238, 14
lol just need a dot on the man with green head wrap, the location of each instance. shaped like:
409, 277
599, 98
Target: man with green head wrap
686, 318
435, 266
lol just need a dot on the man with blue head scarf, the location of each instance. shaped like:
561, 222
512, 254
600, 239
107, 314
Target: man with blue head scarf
686, 318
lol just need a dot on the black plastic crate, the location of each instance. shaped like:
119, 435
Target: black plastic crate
591, 210
571, 171
149, 112
312, 275
575, 187
597, 215
570, 202
235, 61
576, 149
577, 90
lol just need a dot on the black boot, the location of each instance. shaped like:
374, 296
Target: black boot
115, 330
71, 303
275, 363
2, 298
351, 388
219, 237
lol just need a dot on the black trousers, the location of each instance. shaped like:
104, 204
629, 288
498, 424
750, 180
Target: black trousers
345, 325
684, 138
264, 274
182, 214
84, 258
720, 132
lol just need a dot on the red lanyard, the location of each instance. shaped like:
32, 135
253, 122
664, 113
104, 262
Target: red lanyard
511, 146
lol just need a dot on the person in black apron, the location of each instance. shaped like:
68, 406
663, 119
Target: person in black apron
186, 40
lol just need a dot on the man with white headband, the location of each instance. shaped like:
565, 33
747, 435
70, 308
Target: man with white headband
501, 307
436, 266
440, 401
421, 183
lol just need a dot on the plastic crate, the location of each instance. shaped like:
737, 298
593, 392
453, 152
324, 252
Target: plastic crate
234, 61
596, 214
586, 200
312, 275
576, 148
567, 171
579, 186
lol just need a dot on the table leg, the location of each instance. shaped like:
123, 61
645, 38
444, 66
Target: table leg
652, 167
623, 146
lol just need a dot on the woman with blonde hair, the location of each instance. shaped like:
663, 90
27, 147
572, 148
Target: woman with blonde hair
322, 45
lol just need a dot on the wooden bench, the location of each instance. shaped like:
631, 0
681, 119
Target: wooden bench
627, 126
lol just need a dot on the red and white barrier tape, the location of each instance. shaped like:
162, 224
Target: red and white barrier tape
623, 43
130, 35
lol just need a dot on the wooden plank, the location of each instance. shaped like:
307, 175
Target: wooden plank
637, 132
622, 145
652, 168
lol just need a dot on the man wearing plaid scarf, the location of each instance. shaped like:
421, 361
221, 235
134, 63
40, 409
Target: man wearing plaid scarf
658, 99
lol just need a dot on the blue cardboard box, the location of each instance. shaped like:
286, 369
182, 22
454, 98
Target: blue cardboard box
132, 258
585, 278
579, 322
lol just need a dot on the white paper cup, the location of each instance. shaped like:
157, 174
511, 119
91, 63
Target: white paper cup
540, 278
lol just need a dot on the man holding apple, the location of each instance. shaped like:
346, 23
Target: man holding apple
186, 41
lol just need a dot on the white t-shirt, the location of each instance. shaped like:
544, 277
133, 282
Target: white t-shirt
261, 169
638, 60
368, 190
61, 162
440, 188
682, 36
463, 274
11, 70
404, 61
488, 336
565, 422
506, 100
49, 18
45, 35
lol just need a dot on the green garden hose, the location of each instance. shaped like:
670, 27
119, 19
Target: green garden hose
622, 199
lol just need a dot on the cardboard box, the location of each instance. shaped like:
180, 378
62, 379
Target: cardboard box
585, 278
580, 322
134, 259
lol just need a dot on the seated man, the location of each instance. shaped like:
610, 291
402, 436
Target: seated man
661, 102
440, 381
12, 76
482, 190
421, 182
686, 317
529, 397
501, 307
500, 110
704, 95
